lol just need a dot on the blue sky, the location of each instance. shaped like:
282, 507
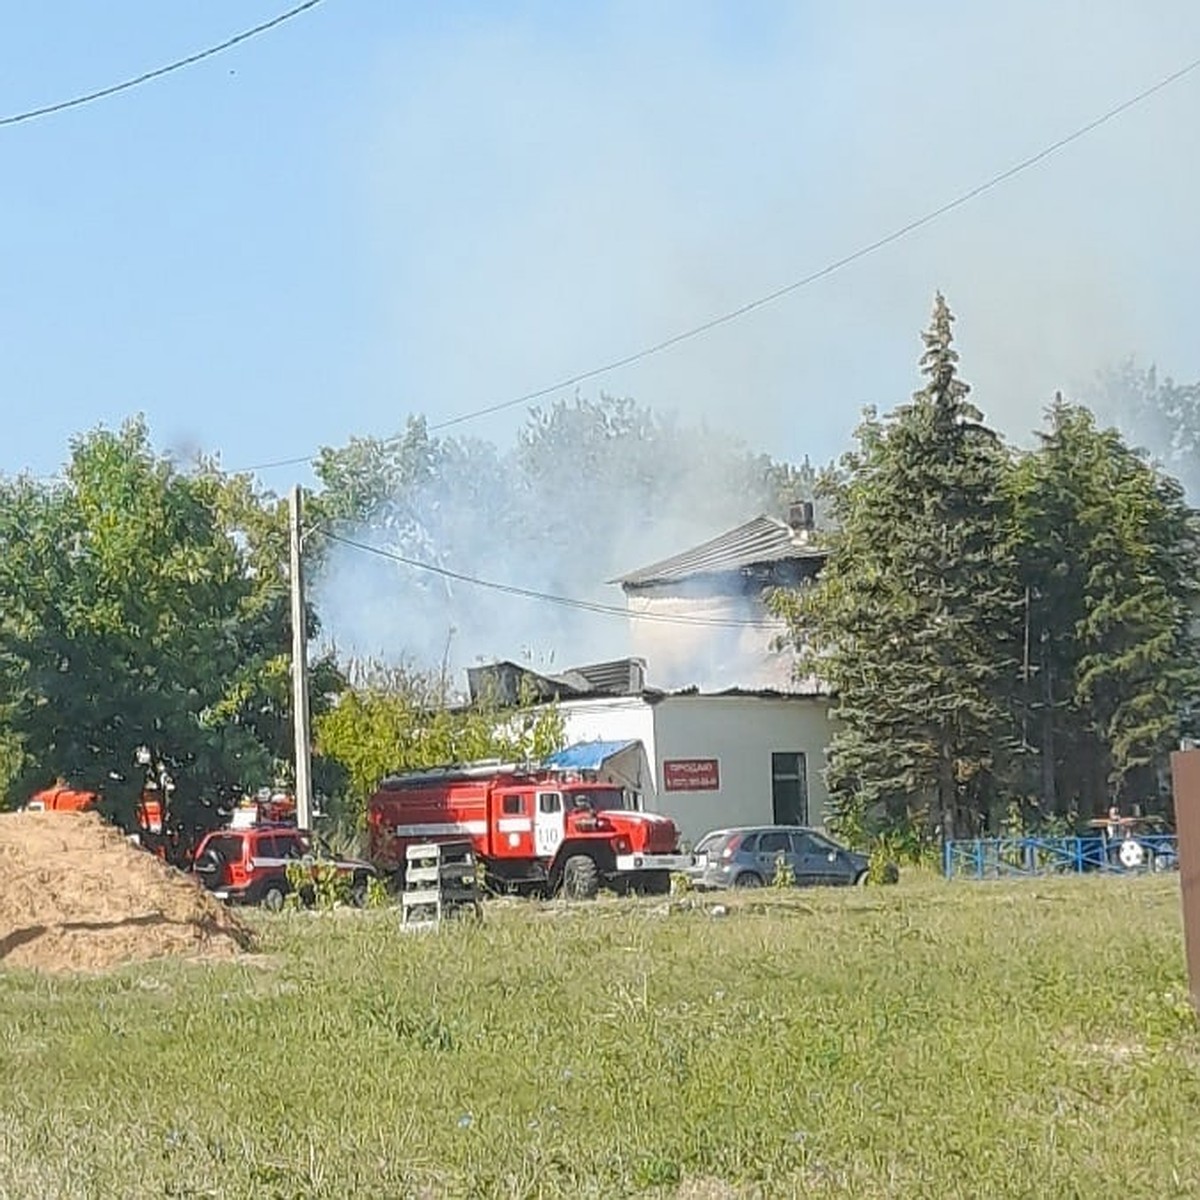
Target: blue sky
385, 208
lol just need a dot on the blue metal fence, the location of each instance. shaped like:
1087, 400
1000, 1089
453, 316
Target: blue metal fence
1003, 858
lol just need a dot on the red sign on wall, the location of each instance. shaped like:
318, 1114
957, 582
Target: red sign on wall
691, 775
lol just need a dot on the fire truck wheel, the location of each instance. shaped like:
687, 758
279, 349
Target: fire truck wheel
273, 896
581, 878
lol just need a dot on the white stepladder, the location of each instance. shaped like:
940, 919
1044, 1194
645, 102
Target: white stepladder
439, 881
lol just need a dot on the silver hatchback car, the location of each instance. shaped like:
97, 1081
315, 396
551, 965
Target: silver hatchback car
750, 857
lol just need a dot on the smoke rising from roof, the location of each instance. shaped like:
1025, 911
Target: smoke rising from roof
590, 491
577, 218
528, 216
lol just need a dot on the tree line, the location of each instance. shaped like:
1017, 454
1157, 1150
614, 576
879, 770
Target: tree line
1010, 635
144, 604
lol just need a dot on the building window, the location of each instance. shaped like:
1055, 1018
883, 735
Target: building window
789, 788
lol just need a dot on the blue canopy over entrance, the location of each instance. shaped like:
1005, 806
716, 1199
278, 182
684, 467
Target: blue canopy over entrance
622, 763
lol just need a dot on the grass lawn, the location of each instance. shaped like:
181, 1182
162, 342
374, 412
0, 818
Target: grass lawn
930, 1040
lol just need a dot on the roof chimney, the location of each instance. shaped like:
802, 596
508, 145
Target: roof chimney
637, 676
800, 517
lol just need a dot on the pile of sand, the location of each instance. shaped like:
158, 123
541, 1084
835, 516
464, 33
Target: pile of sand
75, 895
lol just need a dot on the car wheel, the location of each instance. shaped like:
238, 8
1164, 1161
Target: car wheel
748, 879
274, 895
358, 892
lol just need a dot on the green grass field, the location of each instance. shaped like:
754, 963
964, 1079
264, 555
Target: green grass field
929, 1040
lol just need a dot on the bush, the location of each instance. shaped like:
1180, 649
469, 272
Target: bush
318, 882
377, 893
785, 876
681, 883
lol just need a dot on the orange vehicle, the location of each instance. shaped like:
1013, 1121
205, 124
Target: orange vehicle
533, 828
64, 798
264, 808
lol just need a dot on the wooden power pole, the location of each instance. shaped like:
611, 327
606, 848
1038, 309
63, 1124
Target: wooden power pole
300, 675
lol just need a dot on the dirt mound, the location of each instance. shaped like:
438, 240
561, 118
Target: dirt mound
75, 895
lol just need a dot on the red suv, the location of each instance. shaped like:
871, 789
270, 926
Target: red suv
249, 866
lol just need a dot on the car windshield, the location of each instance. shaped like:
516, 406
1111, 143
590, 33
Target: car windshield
822, 844
228, 846
710, 841
597, 799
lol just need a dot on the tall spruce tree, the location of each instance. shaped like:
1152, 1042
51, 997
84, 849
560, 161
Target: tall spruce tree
912, 620
1109, 557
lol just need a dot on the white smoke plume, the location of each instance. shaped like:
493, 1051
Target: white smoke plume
743, 147
593, 491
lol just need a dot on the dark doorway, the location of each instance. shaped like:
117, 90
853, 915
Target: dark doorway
789, 788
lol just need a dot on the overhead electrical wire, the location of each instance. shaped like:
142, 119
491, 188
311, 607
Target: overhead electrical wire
159, 72
824, 272
592, 606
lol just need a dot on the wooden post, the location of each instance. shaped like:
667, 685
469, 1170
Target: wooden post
1185, 782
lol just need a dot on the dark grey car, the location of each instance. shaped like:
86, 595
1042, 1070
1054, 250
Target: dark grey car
750, 857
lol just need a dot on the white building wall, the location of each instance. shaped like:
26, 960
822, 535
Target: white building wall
740, 732
731, 643
624, 718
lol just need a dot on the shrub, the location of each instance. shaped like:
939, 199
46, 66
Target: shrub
681, 883
785, 876
317, 881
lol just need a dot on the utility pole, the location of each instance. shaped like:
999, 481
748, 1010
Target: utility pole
300, 674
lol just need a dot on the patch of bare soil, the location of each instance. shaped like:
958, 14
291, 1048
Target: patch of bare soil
75, 895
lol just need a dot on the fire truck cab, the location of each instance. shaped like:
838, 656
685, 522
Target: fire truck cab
534, 829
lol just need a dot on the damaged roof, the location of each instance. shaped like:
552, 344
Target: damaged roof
507, 682
808, 686
759, 542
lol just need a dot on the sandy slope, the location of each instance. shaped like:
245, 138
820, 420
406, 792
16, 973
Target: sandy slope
76, 896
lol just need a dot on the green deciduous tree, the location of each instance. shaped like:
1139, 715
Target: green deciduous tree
396, 719
142, 607
911, 621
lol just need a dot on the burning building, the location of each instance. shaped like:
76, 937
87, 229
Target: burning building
731, 736
700, 619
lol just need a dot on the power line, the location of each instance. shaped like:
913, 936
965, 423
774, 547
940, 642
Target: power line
895, 236
593, 606
277, 462
824, 272
158, 72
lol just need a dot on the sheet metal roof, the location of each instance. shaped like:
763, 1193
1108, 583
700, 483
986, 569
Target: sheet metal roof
503, 680
760, 541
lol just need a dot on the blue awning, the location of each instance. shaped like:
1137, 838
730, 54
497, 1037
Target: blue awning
587, 756
623, 763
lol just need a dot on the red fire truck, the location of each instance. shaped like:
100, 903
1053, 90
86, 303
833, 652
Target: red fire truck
535, 829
